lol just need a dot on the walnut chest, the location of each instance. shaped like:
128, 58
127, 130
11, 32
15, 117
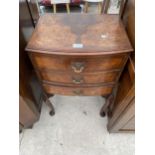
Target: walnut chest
79, 54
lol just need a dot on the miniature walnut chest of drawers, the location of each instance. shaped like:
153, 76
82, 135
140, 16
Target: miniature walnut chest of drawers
79, 54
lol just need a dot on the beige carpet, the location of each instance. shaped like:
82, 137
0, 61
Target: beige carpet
76, 129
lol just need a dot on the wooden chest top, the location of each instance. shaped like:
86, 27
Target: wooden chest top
79, 34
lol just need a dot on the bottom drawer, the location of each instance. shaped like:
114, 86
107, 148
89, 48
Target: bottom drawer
78, 91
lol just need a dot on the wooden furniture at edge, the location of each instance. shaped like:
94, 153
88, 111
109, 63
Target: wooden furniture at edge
29, 98
79, 54
122, 117
29, 87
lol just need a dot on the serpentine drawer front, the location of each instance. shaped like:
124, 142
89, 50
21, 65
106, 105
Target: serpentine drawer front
79, 79
88, 91
79, 54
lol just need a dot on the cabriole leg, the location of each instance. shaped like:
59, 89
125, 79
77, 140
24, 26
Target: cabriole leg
48, 103
104, 108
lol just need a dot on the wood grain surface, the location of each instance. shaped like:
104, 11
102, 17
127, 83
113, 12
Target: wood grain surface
97, 34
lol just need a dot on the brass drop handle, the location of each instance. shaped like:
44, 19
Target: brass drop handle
77, 80
78, 67
78, 92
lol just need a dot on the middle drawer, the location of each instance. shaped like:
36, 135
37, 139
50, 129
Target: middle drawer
82, 78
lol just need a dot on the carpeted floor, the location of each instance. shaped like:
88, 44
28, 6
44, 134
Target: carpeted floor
76, 129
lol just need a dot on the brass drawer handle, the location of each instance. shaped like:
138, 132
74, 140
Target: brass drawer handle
77, 80
78, 67
78, 92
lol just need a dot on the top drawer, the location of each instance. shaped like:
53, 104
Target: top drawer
77, 64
